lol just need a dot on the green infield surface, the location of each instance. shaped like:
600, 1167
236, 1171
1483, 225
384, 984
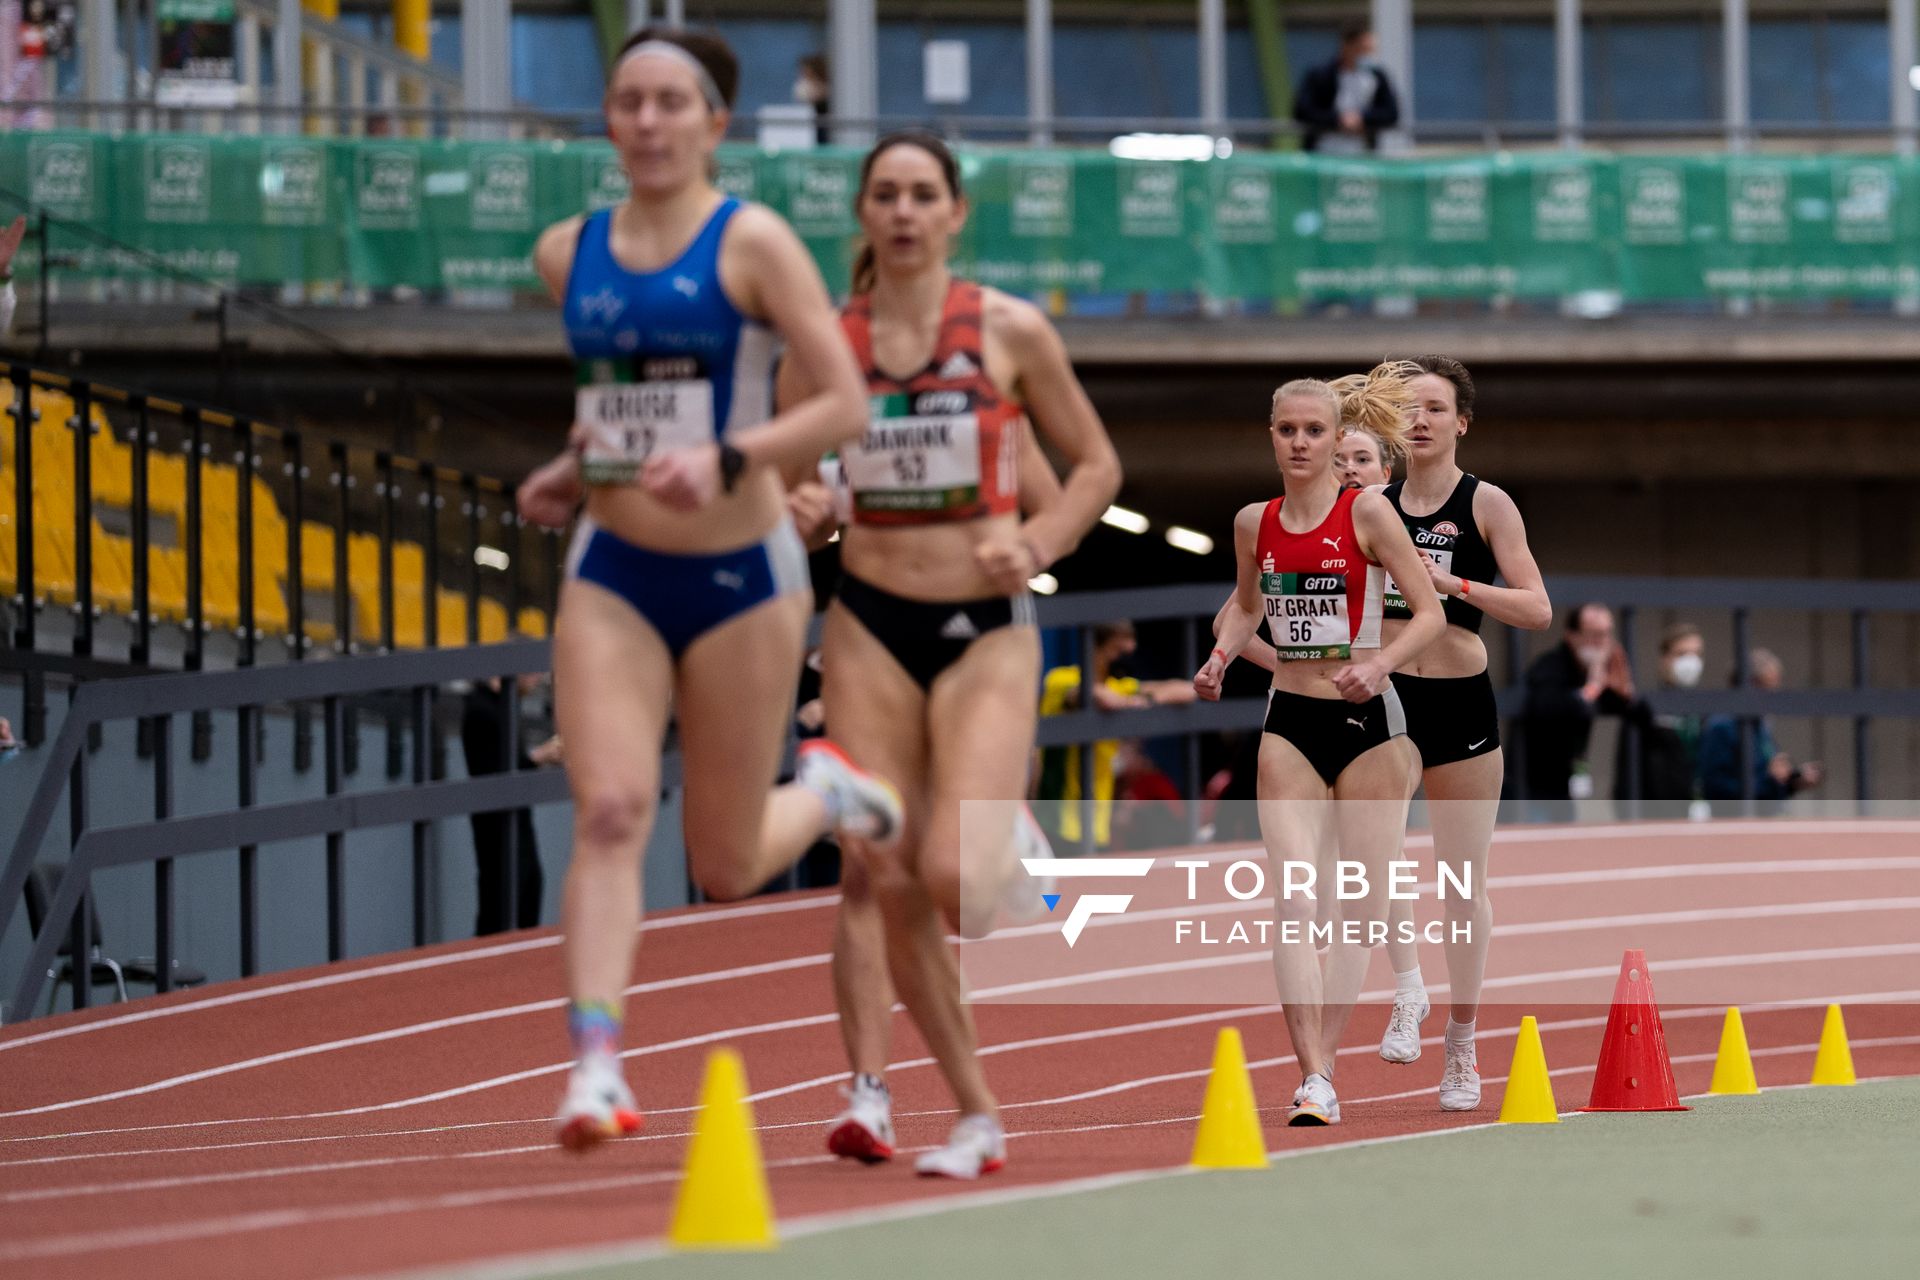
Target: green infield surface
1795, 1182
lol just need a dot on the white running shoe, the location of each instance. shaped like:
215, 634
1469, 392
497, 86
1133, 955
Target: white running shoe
1401, 1043
1314, 1102
1023, 899
864, 1131
1460, 1082
868, 805
598, 1105
976, 1146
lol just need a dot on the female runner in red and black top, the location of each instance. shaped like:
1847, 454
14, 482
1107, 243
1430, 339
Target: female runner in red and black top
1314, 561
929, 651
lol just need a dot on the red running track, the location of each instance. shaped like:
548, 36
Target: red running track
393, 1113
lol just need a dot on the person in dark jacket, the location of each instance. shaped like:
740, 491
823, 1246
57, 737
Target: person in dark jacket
1776, 778
483, 733
1343, 104
1566, 686
1668, 746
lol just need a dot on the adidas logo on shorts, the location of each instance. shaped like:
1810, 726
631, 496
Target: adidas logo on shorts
959, 627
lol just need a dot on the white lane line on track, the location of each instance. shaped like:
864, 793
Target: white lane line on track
801, 962
1511, 980
1074, 1037
712, 915
1046, 984
418, 1028
1195, 910
141, 1237
1724, 829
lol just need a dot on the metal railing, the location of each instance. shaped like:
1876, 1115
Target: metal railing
154, 561
415, 679
384, 115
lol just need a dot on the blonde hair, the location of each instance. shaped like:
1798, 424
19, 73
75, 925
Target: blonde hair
1376, 402
1386, 459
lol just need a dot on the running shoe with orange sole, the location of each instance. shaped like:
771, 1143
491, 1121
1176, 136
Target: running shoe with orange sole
867, 805
598, 1106
864, 1131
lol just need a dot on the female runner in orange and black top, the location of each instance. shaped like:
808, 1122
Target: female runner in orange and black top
929, 651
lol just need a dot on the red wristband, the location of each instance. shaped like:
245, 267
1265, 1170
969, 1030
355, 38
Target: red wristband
1466, 588
1222, 655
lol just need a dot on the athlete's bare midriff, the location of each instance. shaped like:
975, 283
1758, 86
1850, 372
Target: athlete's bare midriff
931, 562
1313, 677
1458, 652
729, 522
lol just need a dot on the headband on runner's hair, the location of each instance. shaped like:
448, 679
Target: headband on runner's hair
669, 50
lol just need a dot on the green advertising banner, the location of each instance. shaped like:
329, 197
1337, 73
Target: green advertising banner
1254, 228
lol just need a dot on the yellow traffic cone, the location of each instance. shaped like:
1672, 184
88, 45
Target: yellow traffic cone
1229, 1135
1733, 1069
1529, 1097
723, 1201
1834, 1063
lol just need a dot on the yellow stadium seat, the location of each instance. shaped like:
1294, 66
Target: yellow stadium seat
493, 621
112, 570
9, 552
167, 583
532, 623
111, 462
53, 559
167, 487
316, 556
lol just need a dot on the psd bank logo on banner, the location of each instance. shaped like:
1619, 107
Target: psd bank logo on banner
1093, 904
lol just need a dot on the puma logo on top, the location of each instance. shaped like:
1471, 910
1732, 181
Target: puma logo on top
1334, 542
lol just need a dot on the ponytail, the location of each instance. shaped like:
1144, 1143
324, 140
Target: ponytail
1378, 402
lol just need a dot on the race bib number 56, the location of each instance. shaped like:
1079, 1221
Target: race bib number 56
1307, 615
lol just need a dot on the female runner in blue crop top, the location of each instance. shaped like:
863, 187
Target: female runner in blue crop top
687, 586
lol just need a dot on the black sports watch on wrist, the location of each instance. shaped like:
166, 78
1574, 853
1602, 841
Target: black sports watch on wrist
732, 463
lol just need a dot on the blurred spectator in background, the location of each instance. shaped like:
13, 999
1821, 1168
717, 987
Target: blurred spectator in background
1151, 813
8, 743
9, 245
1114, 689
483, 740
812, 85
1776, 778
1566, 686
1343, 104
1668, 746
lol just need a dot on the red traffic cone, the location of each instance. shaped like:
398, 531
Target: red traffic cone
1634, 1073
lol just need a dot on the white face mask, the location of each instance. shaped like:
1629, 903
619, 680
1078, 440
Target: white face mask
1686, 669
1592, 654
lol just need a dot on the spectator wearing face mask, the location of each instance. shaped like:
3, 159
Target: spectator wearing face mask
1668, 745
813, 86
1776, 778
1566, 687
